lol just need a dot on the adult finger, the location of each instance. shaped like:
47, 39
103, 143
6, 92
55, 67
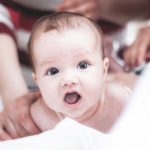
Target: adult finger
66, 4
148, 56
127, 56
21, 130
10, 128
29, 126
143, 50
83, 9
32, 96
4, 135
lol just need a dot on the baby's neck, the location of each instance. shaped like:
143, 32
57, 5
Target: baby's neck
106, 114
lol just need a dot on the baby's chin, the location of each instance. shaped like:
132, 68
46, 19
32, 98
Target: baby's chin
85, 112
79, 115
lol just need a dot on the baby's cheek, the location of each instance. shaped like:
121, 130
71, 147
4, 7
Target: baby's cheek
94, 90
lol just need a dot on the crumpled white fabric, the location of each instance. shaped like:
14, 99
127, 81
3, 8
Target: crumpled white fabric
67, 135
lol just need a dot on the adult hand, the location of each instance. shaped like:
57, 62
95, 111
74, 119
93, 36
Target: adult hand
15, 119
89, 8
139, 51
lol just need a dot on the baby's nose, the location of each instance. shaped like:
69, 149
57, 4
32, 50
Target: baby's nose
69, 82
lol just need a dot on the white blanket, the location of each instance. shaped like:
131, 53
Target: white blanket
67, 135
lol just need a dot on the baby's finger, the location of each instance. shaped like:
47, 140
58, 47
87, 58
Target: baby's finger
33, 96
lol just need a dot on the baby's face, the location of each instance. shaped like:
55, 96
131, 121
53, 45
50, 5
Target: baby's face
69, 71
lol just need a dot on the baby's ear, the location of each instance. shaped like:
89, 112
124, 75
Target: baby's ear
34, 77
106, 65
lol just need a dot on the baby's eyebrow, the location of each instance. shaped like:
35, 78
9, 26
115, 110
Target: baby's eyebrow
87, 53
47, 61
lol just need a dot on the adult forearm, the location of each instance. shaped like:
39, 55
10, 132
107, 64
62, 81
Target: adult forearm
122, 11
12, 83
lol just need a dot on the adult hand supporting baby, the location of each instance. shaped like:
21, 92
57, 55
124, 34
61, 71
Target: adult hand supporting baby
15, 119
139, 51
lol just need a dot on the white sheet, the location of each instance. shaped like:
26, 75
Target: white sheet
67, 135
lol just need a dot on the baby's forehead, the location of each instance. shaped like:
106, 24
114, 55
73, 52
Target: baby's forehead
84, 30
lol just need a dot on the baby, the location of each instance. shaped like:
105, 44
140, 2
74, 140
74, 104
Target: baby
70, 70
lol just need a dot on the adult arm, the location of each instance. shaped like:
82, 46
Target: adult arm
116, 11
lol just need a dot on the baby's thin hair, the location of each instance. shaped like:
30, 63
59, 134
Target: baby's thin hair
60, 21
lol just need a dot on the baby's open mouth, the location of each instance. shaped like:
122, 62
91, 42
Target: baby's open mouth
72, 98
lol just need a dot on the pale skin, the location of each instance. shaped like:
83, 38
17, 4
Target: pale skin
19, 123
15, 120
55, 79
16, 83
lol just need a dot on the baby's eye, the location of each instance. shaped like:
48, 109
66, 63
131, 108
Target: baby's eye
83, 65
52, 71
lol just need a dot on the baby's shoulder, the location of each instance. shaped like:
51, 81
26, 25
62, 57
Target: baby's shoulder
43, 116
117, 92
